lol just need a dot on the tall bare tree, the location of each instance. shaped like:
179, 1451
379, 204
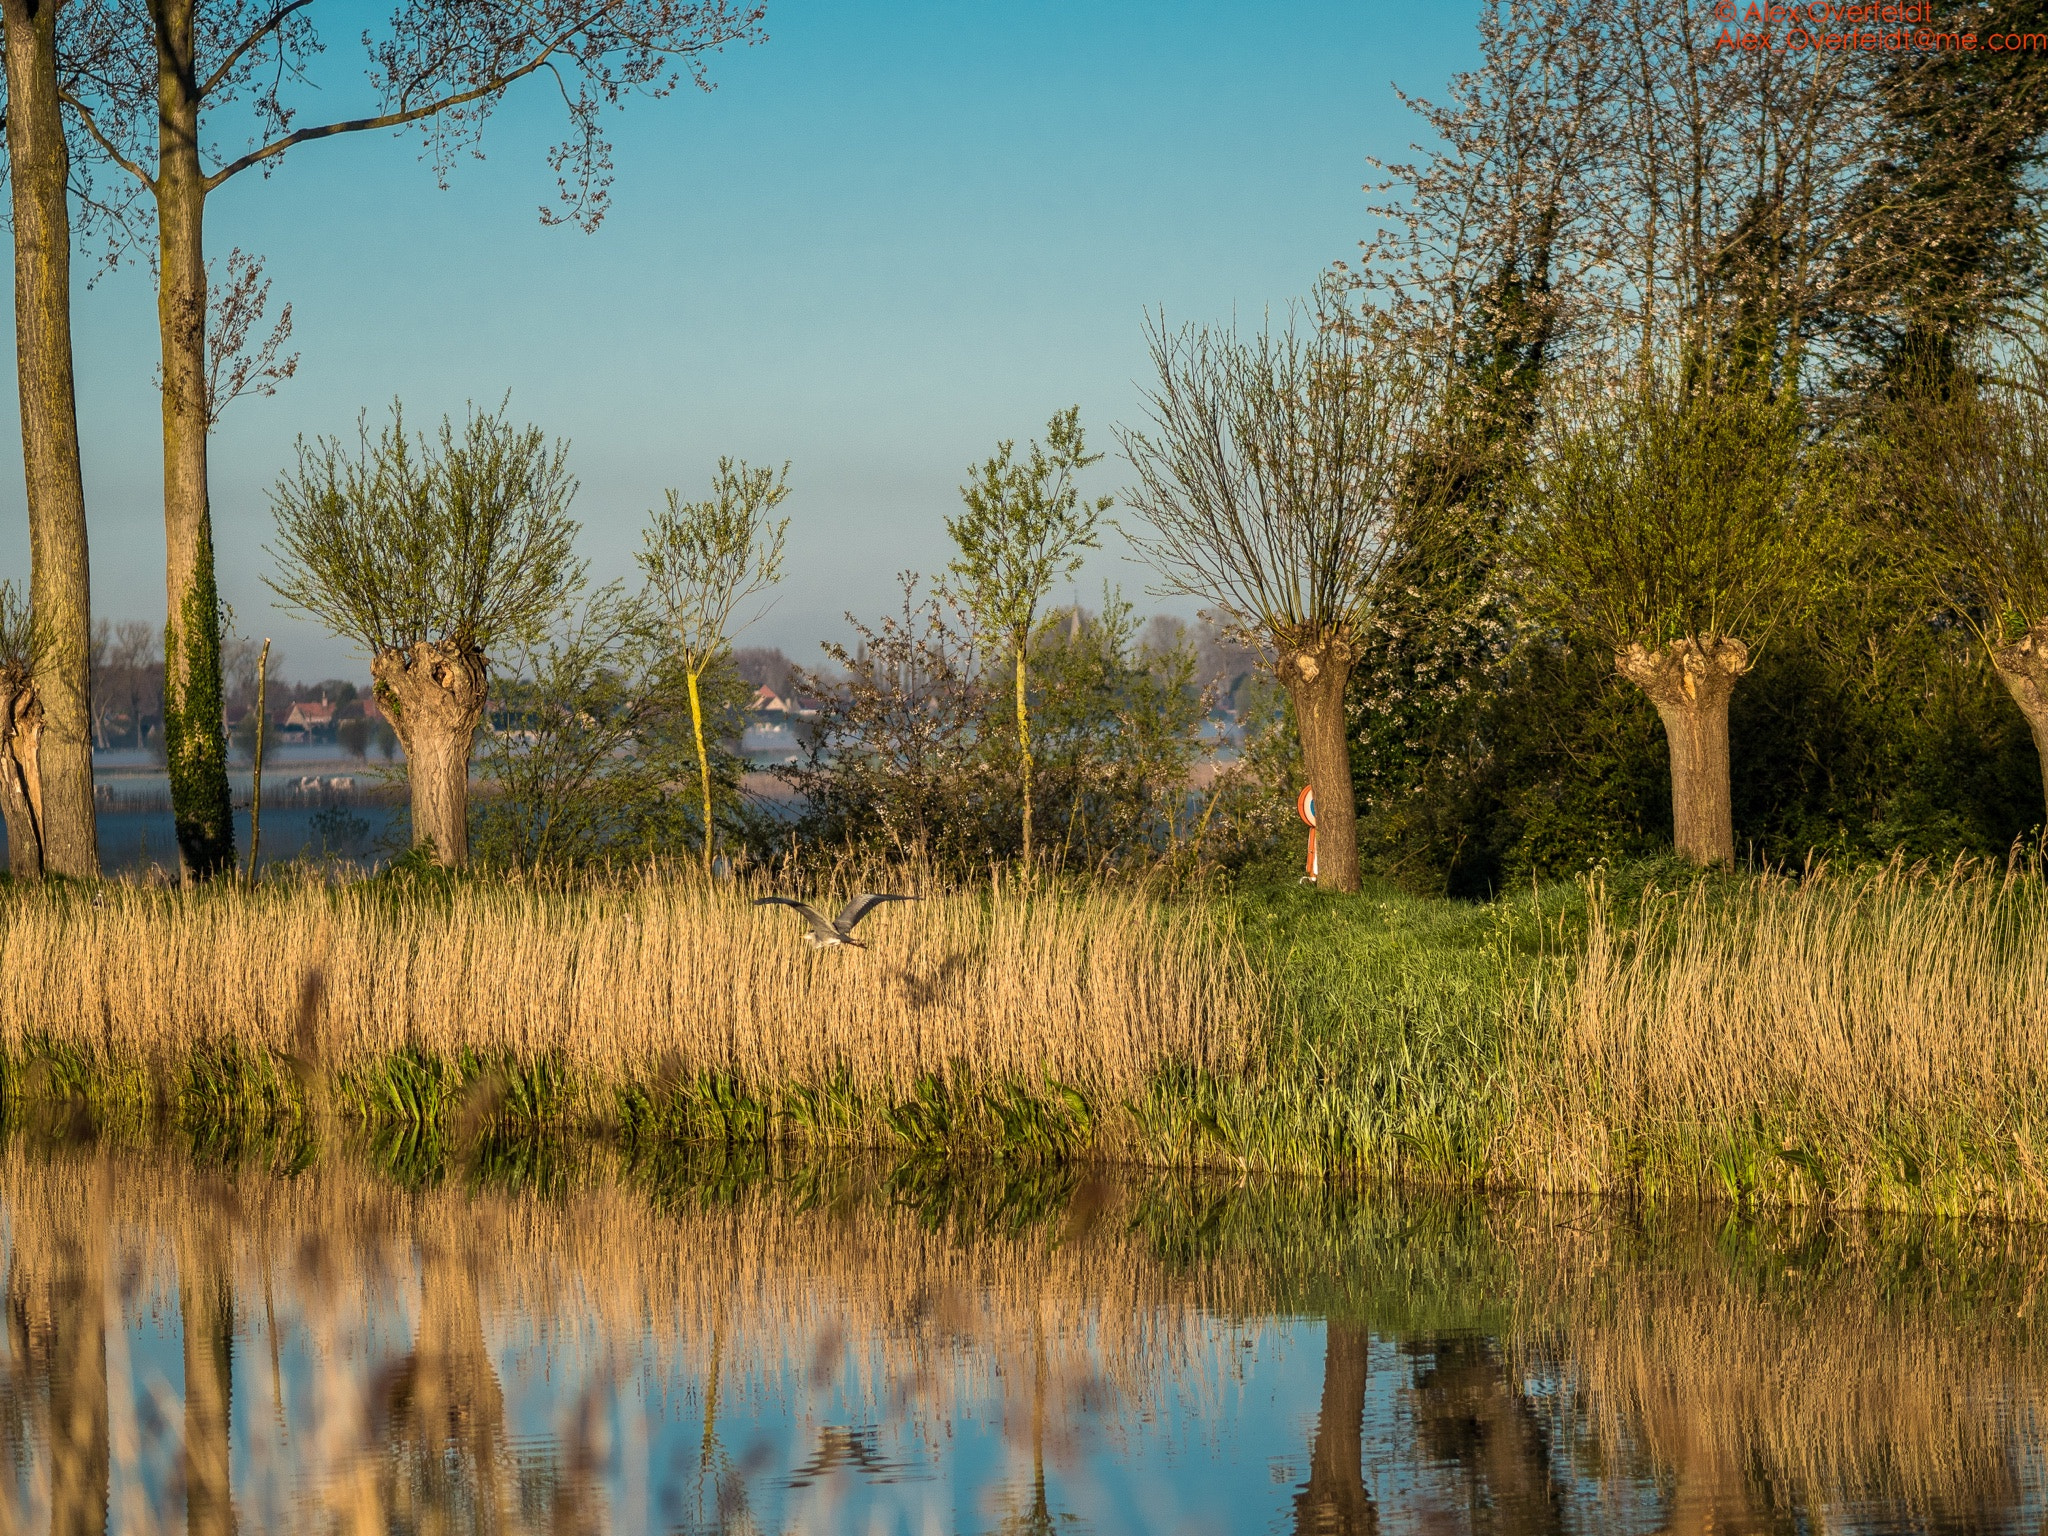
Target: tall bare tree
1271, 473
34, 34
1024, 529
176, 68
426, 553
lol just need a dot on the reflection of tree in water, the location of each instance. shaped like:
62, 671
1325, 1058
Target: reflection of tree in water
1472, 1417
1334, 1501
206, 1307
446, 1458
57, 1327
719, 1487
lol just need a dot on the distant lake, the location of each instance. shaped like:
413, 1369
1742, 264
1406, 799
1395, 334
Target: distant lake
556, 1337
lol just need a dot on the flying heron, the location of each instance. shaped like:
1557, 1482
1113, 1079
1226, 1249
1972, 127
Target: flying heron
839, 931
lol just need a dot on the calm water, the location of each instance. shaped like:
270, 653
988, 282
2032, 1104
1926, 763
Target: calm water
567, 1340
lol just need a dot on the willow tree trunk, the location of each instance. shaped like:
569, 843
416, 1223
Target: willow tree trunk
434, 694
206, 1306
1335, 1501
1691, 684
195, 735
78, 1384
39, 169
21, 778
1314, 677
2023, 667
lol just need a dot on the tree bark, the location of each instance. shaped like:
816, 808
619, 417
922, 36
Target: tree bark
2023, 667
21, 779
39, 168
1314, 677
1691, 684
434, 694
1335, 1501
195, 735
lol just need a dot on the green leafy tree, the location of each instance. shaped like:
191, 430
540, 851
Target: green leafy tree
1025, 529
427, 553
1664, 520
593, 726
1968, 464
706, 560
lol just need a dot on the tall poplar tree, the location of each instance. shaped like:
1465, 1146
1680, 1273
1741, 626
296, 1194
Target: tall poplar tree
176, 68
34, 34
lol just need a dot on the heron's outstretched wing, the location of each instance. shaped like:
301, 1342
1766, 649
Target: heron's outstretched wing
811, 914
862, 905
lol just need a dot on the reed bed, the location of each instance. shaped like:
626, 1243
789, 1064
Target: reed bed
629, 983
1878, 1038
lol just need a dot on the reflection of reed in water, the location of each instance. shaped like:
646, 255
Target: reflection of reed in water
1539, 1366
1795, 1368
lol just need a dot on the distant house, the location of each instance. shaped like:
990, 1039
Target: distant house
306, 719
767, 701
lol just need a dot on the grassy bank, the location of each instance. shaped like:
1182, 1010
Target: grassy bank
1869, 1039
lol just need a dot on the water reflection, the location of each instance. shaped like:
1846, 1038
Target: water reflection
571, 1339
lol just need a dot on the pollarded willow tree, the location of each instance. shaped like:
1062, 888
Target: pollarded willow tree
427, 553
24, 642
1025, 528
1272, 474
1970, 463
705, 560
185, 97
1665, 520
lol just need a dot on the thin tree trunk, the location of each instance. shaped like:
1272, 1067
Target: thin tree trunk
39, 165
1024, 744
206, 1305
2023, 667
78, 1387
1314, 677
434, 695
195, 735
21, 779
1335, 1502
703, 765
1691, 684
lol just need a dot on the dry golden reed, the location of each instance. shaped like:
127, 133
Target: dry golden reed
1096, 988
1880, 1037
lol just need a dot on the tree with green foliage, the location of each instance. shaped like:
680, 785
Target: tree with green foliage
1968, 461
595, 728
1272, 475
704, 561
1663, 520
23, 644
1026, 528
428, 553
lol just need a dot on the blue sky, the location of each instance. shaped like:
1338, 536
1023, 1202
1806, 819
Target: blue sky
895, 234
